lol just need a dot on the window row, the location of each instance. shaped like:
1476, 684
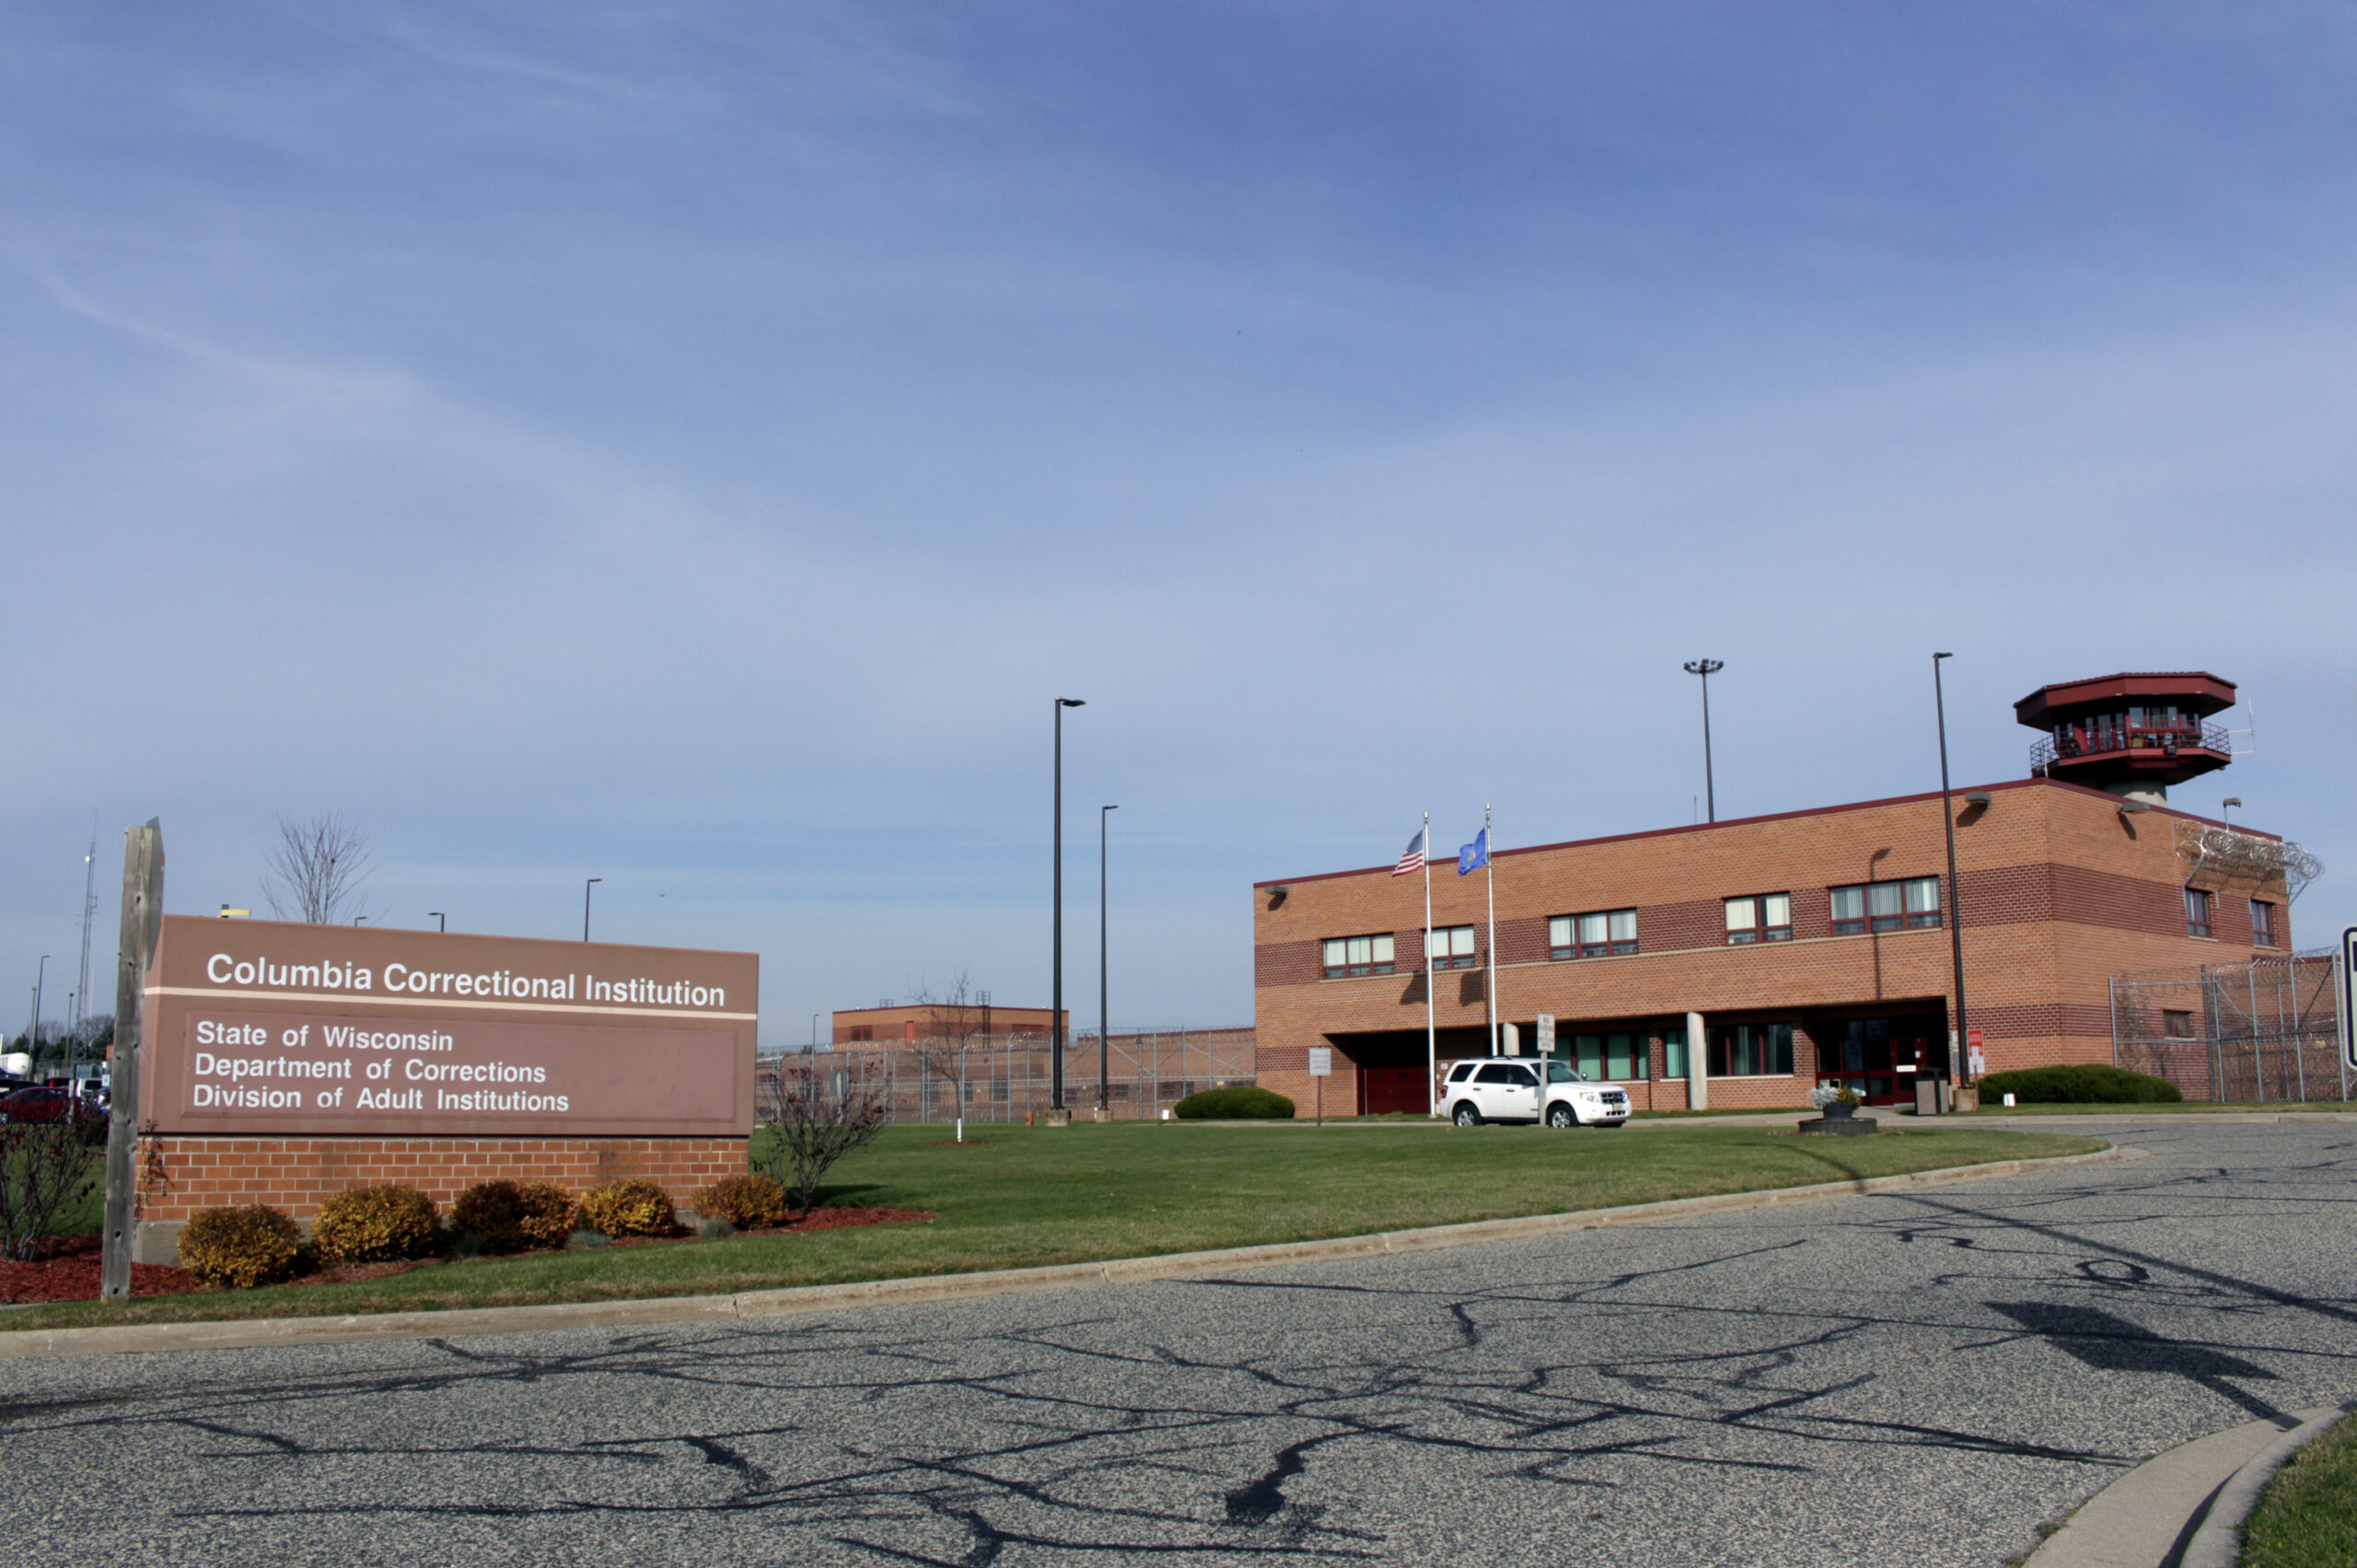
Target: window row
1347, 957
1755, 917
1905, 905
1597, 936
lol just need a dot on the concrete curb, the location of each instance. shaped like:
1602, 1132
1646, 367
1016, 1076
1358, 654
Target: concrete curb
250, 1334
2218, 1542
2184, 1508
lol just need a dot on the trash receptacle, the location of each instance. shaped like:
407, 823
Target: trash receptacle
1927, 1094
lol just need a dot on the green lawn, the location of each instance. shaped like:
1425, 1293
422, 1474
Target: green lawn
2308, 1517
1017, 1197
2164, 1107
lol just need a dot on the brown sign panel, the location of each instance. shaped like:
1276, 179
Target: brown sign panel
268, 1028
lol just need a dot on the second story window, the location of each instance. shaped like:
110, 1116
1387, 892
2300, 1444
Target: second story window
1449, 947
1604, 932
1767, 917
1347, 957
1885, 906
2197, 914
2262, 923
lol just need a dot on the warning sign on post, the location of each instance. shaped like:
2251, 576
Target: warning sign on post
2347, 996
1321, 1060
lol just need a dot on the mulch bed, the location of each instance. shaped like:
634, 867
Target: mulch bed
66, 1268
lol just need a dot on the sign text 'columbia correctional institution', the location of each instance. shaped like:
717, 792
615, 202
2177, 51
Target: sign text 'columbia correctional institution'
266, 1029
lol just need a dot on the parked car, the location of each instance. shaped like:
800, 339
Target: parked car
42, 1103
1507, 1089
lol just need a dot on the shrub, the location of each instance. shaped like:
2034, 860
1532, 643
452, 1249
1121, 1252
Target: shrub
812, 1124
243, 1248
509, 1216
1235, 1105
748, 1203
2077, 1084
46, 1171
629, 1208
375, 1224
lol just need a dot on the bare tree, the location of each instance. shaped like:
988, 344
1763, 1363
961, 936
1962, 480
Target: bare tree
815, 1121
953, 1025
316, 870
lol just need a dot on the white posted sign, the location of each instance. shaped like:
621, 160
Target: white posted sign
1546, 1034
1321, 1060
2348, 997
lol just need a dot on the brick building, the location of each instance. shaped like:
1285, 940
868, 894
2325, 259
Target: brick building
905, 1024
1766, 954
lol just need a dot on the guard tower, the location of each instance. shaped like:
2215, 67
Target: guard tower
2132, 734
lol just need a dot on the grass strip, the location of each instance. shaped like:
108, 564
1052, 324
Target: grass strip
2307, 1516
2166, 1108
1016, 1197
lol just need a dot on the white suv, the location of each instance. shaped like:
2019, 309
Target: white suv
1507, 1089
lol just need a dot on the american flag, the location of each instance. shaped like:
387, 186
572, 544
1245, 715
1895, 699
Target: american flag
1412, 859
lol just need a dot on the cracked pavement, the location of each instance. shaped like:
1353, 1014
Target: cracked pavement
1917, 1378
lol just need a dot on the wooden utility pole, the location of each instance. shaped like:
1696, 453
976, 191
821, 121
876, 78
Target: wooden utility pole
143, 913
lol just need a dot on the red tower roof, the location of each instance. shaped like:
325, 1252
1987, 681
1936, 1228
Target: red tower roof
2195, 690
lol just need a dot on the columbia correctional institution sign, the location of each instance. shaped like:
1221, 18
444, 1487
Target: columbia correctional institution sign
260, 1027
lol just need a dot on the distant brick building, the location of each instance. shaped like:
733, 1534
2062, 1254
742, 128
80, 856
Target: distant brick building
1772, 953
895, 1024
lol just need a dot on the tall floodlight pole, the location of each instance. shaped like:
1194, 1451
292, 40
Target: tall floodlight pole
89, 906
32, 1035
1056, 1002
585, 905
1707, 668
1959, 1053
1104, 1006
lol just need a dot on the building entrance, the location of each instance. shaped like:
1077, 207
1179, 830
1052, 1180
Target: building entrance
1390, 1068
1882, 1058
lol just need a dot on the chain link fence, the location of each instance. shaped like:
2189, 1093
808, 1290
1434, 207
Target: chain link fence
1007, 1078
2263, 1030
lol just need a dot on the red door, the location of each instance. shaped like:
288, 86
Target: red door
1386, 1089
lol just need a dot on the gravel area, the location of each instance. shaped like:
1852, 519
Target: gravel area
1916, 1380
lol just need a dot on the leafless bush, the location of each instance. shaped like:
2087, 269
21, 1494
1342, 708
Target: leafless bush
46, 1169
816, 1116
315, 870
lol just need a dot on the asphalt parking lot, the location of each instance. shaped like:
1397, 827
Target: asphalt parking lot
1915, 1379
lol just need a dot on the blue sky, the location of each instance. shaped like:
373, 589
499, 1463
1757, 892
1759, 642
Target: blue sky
691, 445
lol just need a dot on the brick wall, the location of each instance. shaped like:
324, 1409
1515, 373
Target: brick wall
2059, 890
181, 1175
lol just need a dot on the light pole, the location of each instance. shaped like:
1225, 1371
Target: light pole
32, 1035
585, 905
2226, 808
1056, 1004
1959, 1053
443, 918
1104, 1026
1707, 668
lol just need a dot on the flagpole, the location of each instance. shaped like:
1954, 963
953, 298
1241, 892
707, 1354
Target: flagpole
1431, 1035
1490, 865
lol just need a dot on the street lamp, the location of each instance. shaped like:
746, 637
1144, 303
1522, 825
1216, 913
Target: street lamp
585, 905
1056, 1004
2226, 808
1959, 1070
1707, 668
1104, 1026
443, 918
32, 1035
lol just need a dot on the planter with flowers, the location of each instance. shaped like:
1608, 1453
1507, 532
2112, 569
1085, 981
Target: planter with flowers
1838, 1102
